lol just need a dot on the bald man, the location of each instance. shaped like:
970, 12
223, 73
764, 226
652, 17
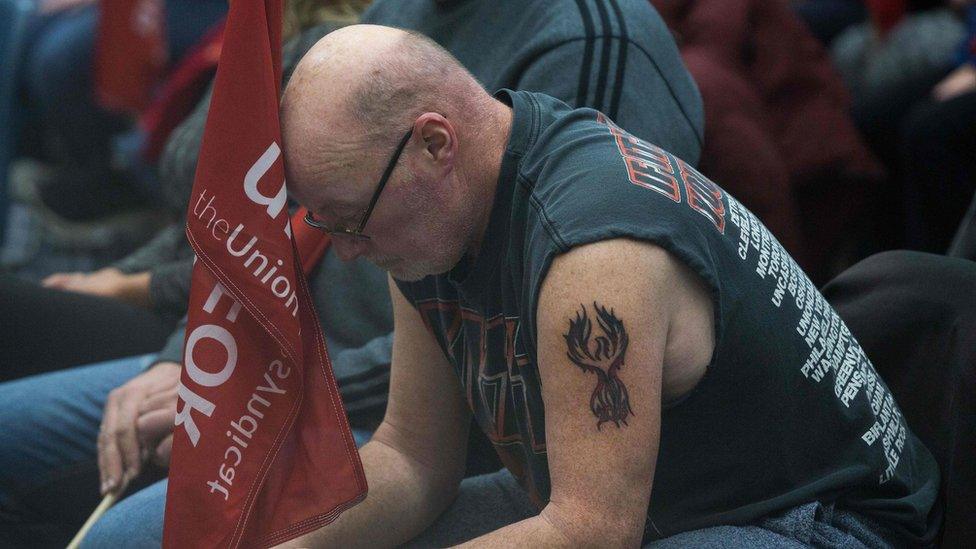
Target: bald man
650, 364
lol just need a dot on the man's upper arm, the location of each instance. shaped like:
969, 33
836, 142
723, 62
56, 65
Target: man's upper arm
426, 417
602, 324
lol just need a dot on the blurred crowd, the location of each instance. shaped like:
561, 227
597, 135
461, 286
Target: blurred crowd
845, 125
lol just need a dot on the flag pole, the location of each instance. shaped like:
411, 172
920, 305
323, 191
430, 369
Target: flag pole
107, 502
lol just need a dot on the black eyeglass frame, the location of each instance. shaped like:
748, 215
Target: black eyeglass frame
358, 231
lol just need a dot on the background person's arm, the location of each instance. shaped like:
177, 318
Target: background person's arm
415, 461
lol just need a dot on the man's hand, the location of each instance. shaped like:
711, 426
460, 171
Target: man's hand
107, 282
155, 426
138, 419
54, 6
960, 81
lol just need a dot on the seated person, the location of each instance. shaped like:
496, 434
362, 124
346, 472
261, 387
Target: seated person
650, 364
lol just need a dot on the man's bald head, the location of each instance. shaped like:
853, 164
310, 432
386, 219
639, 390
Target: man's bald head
361, 87
352, 98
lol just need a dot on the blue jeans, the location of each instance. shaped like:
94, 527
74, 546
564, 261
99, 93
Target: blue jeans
489, 502
48, 464
137, 521
49, 482
49, 468
492, 501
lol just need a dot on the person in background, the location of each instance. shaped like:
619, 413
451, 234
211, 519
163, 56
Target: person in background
938, 152
779, 135
49, 445
903, 58
65, 125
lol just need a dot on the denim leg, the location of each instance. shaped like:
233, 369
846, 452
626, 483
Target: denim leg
136, 521
48, 465
484, 503
720, 537
809, 525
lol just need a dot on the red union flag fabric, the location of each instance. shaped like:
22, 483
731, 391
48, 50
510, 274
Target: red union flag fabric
262, 450
130, 52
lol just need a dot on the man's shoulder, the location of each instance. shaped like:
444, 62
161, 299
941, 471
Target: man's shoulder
587, 180
572, 143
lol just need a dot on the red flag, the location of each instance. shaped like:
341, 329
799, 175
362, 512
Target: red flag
262, 450
130, 52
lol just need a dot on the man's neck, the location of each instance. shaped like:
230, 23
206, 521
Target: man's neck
486, 167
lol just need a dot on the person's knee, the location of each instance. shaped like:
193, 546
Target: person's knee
136, 521
114, 529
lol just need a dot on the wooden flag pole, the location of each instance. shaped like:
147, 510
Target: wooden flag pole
107, 502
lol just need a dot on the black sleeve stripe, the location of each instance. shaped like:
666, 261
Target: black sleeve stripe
618, 82
606, 37
583, 90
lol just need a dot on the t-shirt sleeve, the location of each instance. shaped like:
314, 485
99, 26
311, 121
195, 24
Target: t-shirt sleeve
173, 350
169, 286
163, 247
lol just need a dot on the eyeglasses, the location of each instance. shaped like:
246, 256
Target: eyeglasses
357, 233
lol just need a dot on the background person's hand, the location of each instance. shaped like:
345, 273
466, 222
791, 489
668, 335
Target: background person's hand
54, 6
155, 426
60, 280
960, 81
160, 457
107, 282
122, 444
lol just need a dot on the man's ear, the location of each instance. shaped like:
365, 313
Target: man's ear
439, 140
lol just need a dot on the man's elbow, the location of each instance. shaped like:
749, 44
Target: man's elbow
441, 476
579, 526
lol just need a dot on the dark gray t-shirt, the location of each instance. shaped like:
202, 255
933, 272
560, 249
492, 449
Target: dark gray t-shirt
790, 409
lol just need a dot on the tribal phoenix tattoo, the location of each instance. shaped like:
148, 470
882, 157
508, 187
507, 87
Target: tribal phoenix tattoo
610, 401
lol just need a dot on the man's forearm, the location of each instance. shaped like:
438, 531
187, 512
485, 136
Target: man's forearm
404, 498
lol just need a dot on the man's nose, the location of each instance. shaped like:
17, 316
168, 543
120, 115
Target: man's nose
348, 248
